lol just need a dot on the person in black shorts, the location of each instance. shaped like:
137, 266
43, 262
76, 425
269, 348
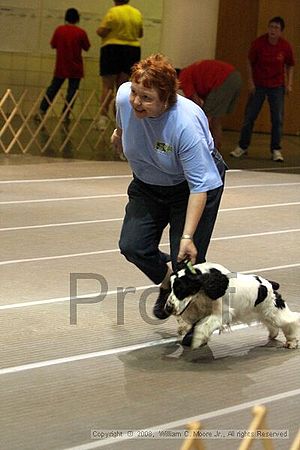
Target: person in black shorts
120, 31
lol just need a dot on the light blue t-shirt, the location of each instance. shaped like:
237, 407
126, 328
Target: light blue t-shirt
171, 148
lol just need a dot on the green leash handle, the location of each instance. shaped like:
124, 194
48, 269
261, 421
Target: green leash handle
190, 266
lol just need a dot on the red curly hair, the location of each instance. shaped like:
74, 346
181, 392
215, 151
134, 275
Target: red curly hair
157, 72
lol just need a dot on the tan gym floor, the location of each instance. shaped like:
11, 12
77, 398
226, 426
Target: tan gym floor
118, 368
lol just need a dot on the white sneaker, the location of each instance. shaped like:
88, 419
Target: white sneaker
238, 152
102, 123
277, 156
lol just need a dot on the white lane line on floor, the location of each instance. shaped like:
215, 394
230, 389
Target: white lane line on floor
268, 269
67, 299
52, 180
114, 292
241, 186
118, 219
279, 168
100, 252
272, 205
62, 224
186, 420
265, 233
48, 258
102, 353
114, 177
91, 197
74, 358
62, 199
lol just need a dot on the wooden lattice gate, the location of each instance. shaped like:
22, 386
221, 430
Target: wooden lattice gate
24, 130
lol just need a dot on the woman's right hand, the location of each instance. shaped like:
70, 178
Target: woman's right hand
116, 140
187, 250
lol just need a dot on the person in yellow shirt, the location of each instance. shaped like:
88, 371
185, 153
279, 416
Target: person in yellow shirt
120, 31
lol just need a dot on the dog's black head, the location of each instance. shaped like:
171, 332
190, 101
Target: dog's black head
187, 284
214, 284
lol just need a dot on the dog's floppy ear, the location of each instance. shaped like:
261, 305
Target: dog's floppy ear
215, 284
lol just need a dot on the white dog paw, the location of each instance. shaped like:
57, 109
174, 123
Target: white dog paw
198, 341
225, 329
291, 344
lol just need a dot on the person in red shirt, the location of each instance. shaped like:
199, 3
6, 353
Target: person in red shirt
215, 86
68, 40
270, 70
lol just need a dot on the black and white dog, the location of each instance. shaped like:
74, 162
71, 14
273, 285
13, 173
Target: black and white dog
209, 297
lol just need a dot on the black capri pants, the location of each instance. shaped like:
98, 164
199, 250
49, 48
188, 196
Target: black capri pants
150, 209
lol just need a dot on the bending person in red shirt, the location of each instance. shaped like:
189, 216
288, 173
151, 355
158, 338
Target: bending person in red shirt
69, 40
270, 70
215, 86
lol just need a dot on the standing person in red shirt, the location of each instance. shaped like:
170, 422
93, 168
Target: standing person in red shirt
69, 40
270, 71
215, 86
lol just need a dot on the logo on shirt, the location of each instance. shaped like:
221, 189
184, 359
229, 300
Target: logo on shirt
162, 147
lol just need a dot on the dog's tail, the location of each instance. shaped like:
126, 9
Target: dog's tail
274, 284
